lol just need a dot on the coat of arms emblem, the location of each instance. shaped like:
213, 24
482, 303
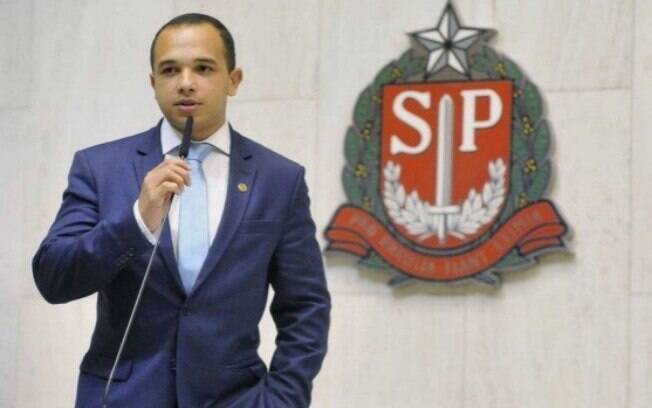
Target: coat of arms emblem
447, 164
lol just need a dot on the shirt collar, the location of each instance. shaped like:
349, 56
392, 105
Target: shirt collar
171, 138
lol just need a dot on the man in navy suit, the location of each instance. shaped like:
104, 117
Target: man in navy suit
195, 337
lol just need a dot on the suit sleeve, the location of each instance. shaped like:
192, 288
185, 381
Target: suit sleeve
82, 253
300, 308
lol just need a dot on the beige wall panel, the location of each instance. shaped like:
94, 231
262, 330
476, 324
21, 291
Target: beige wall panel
556, 336
641, 256
568, 45
641, 352
393, 352
288, 127
277, 43
267, 333
472, 13
53, 341
15, 53
12, 264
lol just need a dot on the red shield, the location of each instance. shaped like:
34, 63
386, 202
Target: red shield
446, 159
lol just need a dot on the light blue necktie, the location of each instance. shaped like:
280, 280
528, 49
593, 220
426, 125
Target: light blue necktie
194, 238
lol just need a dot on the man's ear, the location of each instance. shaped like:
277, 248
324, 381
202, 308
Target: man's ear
151, 80
235, 78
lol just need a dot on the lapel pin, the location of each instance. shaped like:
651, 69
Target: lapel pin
242, 187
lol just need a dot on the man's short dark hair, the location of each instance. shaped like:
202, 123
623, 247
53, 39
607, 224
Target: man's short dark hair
195, 19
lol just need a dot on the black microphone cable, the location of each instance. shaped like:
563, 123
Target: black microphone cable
183, 153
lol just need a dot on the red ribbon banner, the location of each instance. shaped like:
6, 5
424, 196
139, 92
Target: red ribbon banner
531, 229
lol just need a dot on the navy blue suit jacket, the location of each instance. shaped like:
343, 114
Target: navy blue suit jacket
196, 350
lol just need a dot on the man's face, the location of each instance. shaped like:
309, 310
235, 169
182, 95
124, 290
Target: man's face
190, 77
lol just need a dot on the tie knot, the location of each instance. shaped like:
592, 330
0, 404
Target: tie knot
199, 151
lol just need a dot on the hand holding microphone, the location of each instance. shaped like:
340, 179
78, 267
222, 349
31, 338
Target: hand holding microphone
163, 181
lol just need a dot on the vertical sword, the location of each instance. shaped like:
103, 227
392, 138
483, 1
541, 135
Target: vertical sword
444, 192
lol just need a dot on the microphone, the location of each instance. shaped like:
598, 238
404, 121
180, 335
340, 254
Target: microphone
183, 153
187, 134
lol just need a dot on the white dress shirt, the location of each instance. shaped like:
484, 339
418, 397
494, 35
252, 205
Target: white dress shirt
216, 171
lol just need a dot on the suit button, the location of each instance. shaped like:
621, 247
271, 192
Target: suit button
173, 364
185, 310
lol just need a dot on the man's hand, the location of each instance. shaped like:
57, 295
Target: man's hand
169, 177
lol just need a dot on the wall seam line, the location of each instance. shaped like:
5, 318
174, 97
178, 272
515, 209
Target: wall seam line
628, 390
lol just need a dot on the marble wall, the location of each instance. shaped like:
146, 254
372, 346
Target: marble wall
573, 332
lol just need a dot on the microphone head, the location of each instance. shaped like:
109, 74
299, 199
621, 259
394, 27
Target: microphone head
187, 135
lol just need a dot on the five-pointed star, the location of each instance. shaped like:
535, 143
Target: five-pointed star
448, 43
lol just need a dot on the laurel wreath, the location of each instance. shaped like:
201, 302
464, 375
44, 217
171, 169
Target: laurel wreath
530, 166
420, 218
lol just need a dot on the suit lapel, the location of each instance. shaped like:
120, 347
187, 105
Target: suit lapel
150, 154
242, 174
